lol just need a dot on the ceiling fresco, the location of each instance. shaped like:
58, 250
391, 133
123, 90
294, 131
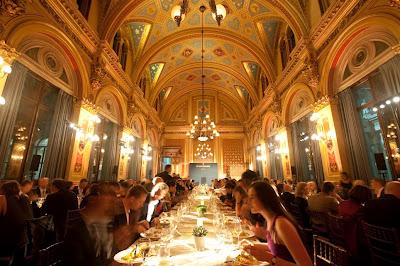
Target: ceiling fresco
213, 78
241, 18
216, 51
170, 56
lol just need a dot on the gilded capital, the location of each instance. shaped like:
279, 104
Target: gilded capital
8, 53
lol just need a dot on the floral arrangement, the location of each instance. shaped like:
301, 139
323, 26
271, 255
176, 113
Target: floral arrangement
199, 231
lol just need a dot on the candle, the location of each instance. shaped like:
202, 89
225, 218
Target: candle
199, 222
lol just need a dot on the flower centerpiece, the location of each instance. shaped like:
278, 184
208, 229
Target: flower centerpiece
199, 233
201, 210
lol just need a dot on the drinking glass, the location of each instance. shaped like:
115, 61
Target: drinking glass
164, 252
237, 229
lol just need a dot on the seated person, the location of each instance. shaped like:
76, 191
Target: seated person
89, 238
126, 220
323, 203
384, 211
153, 206
227, 197
287, 196
301, 205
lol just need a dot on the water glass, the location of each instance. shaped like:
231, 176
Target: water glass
164, 252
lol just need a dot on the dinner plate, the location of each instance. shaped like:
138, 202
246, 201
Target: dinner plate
152, 233
246, 234
119, 257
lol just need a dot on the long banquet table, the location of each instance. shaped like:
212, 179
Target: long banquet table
183, 250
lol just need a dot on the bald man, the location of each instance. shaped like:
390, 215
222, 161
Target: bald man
385, 211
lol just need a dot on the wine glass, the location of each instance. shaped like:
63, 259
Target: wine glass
144, 247
237, 229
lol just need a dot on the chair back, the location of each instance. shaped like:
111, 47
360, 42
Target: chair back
297, 214
337, 226
384, 244
52, 255
319, 222
327, 253
40, 233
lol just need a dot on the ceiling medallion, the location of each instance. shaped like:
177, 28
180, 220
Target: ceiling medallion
203, 128
179, 12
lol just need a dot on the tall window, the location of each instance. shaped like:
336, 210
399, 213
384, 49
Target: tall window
124, 55
323, 6
291, 41
28, 144
84, 7
117, 43
283, 51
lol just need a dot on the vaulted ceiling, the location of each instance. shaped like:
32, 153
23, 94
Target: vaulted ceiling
240, 56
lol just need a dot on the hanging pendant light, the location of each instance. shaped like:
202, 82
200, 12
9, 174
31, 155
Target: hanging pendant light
203, 128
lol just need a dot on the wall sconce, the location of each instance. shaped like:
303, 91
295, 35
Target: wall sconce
145, 152
5, 70
125, 144
260, 156
178, 12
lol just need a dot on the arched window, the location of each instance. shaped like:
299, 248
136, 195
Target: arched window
323, 6
284, 55
291, 41
84, 7
117, 42
124, 55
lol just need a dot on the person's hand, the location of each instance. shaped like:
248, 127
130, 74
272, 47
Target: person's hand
258, 250
144, 224
155, 221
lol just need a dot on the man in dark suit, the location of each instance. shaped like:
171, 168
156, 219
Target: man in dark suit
384, 211
57, 204
80, 189
89, 237
166, 174
42, 190
127, 219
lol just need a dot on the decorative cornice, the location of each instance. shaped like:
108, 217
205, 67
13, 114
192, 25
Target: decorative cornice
88, 105
321, 103
396, 49
73, 24
339, 22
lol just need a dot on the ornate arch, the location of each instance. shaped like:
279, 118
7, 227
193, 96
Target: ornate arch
383, 25
27, 31
272, 122
138, 124
297, 102
160, 84
210, 32
112, 104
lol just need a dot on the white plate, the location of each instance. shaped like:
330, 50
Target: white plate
119, 257
152, 233
246, 234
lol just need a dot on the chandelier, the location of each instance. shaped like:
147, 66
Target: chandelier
203, 128
203, 151
178, 12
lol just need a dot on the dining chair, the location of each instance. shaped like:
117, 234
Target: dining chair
383, 243
327, 253
337, 228
52, 255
